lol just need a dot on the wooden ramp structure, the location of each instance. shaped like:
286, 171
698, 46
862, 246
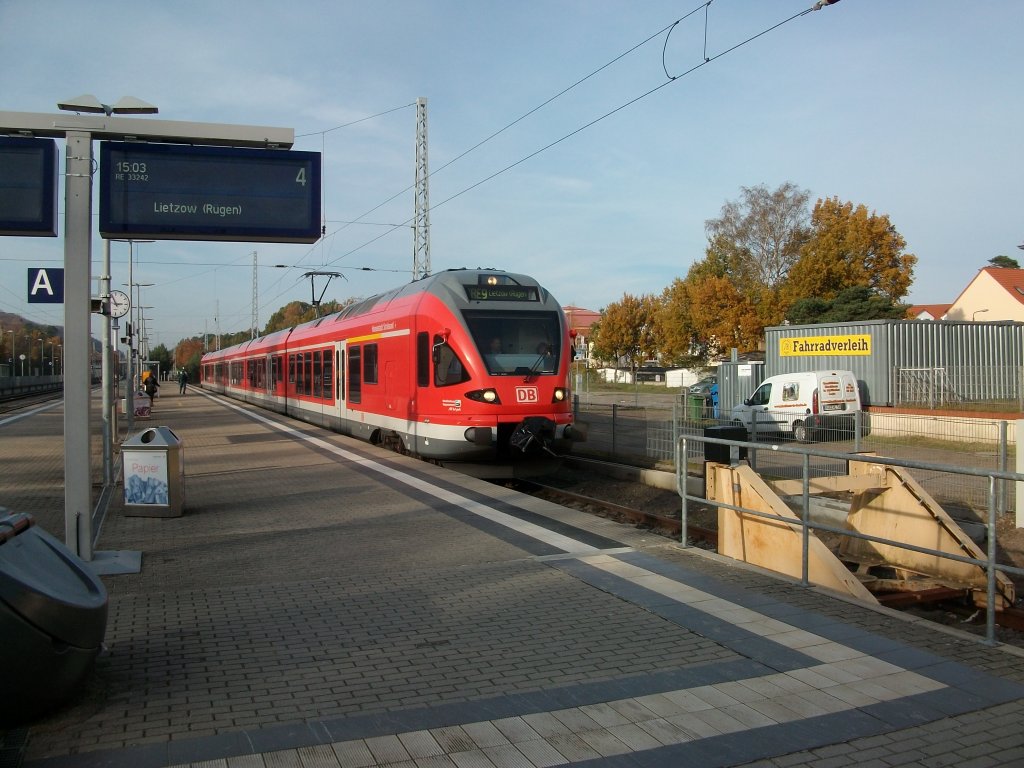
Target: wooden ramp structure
885, 502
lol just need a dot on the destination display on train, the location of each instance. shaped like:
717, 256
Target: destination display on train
179, 192
28, 187
502, 293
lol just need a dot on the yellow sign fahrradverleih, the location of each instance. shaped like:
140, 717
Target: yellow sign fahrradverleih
807, 346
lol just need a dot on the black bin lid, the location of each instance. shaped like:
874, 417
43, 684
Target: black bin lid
48, 585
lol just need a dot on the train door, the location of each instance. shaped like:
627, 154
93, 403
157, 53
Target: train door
338, 395
390, 385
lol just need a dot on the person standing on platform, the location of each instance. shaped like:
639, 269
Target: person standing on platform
182, 381
151, 385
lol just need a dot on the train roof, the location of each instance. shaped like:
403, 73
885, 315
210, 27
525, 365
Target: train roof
463, 287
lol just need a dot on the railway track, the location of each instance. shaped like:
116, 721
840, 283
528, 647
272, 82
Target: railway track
12, 403
947, 606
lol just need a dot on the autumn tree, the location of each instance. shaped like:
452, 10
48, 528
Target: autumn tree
627, 330
721, 317
850, 247
673, 326
187, 355
298, 312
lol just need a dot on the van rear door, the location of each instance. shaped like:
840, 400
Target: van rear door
832, 396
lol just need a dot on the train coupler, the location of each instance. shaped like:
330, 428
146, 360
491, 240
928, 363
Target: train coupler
535, 433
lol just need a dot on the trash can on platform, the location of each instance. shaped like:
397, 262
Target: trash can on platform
53, 615
142, 404
154, 474
723, 453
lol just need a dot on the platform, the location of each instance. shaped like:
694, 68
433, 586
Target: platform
325, 603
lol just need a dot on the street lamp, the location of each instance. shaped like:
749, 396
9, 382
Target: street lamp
977, 312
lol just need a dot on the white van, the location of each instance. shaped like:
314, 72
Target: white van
803, 404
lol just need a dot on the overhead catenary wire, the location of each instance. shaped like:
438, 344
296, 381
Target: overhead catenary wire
669, 81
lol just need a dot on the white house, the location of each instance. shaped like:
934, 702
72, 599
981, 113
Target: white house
995, 293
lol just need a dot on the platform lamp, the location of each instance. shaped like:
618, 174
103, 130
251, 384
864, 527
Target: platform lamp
126, 105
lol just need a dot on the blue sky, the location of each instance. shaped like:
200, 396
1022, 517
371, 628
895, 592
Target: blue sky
912, 108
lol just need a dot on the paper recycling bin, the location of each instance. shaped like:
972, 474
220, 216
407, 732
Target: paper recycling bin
53, 615
721, 453
142, 404
154, 474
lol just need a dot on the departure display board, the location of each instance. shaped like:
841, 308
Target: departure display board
179, 192
28, 187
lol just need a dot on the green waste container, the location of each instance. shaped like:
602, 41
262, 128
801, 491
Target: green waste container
695, 412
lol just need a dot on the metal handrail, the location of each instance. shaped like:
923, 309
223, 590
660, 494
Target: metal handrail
990, 564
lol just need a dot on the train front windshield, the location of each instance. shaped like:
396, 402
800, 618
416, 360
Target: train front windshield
516, 344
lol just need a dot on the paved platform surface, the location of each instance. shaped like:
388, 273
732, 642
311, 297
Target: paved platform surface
323, 603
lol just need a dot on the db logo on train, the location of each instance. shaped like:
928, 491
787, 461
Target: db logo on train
526, 395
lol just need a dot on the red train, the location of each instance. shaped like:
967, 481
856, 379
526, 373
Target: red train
467, 366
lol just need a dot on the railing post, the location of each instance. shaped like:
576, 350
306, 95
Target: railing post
1002, 501
990, 567
615, 413
682, 467
1019, 439
805, 513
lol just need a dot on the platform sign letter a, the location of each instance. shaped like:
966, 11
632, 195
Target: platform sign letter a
45, 286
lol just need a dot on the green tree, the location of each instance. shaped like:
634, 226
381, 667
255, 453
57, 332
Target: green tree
163, 356
1004, 261
858, 302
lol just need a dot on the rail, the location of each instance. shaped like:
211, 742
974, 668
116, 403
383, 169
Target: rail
992, 475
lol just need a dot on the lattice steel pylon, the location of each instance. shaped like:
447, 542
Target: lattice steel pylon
421, 218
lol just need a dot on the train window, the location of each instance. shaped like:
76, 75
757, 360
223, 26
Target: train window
308, 371
291, 369
318, 382
341, 376
328, 375
370, 364
516, 344
423, 359
355, 374
448, 368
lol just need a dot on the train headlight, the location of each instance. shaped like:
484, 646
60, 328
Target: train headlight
484, 396
559, 395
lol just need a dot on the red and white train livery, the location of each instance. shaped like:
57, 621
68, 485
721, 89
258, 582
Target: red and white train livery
468, 366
